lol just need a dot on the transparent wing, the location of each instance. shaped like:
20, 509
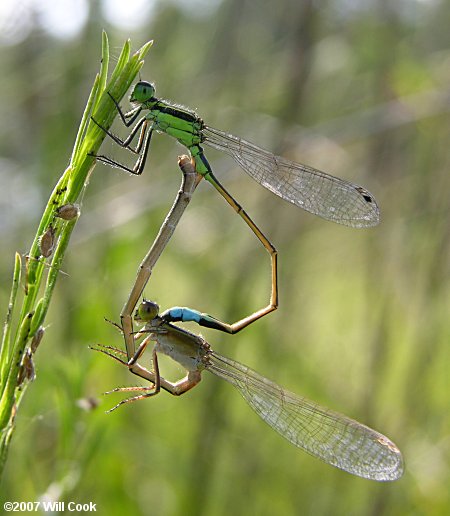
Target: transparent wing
332, 437
314, 191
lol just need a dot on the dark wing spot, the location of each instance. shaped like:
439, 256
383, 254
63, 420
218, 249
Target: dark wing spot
366, 196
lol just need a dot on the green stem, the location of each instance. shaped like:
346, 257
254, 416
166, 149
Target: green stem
41, 273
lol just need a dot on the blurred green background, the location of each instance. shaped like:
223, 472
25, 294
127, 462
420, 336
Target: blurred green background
359, 89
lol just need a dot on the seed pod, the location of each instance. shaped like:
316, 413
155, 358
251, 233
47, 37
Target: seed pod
47, 242
68, 211
37, 339
26, 369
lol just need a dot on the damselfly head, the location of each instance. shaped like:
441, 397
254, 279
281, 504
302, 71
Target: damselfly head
142, 92
147, 311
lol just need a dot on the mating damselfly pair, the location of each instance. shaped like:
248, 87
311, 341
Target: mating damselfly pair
319, 193
330, 436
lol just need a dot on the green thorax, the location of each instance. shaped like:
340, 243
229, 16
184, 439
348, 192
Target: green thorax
178, 122
183, 125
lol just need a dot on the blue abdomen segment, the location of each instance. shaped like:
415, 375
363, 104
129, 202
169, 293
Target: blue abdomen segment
184, 314
181, 313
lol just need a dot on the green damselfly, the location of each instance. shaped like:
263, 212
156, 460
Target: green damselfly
314, 191
332, 437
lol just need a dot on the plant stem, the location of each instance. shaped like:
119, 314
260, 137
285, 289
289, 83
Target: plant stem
41, 272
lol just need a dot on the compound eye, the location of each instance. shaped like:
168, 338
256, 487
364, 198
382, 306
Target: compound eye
143, 91
147, 311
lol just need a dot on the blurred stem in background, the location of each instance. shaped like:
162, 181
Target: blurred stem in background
52, 238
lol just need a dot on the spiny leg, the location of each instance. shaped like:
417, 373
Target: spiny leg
146, 392
154, 377
174, 388
140, 126
127, 118
142, 147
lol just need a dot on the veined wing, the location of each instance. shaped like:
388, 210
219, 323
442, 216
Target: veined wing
332, 437
319, 193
